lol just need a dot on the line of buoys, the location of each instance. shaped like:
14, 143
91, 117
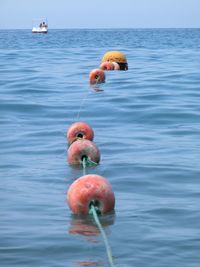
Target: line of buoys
89, 189
116, 56
92, 194
80, 136
112, 60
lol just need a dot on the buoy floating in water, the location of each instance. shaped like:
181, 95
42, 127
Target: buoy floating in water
107, 66
81, 149
79, 130
116, 56
116, 65
91, 190
97, 76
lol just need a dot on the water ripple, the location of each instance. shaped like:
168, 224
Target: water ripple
146, 124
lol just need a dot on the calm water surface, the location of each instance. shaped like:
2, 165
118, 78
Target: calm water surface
147, 127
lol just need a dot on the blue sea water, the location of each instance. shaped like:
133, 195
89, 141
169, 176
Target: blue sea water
147, 126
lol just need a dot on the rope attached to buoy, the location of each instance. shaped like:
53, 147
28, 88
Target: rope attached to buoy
86, 162
98, 79
84, 165
81, 105
94, 210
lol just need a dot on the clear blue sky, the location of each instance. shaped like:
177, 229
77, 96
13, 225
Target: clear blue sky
18, 14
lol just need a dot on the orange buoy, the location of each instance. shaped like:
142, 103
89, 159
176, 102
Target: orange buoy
116, 56
81, 149
107, 66
79, 130
90, 190
116, 65
97, 76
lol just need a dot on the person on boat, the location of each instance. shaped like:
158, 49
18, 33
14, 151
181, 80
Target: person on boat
44, 24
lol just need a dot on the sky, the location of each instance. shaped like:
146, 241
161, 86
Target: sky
19, 14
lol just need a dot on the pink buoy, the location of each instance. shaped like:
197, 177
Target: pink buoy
81, 149
90, 190
97, 76
116, 65
79, 130
107, 66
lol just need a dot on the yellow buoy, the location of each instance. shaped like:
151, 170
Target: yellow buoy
116, 56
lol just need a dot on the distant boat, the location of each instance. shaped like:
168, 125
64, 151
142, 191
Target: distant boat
40, 26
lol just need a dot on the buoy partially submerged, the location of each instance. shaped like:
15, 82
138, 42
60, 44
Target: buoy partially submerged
97, 76
107, 66
83, 149
116, 65
79, 130
116, 56
90, 190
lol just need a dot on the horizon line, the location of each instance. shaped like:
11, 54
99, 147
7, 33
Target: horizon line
106, 28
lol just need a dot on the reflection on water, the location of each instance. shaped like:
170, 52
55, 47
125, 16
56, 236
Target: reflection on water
86, 226
96, 88
89, 263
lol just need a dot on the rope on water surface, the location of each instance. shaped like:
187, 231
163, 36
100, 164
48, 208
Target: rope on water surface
85, 97
97, 79
84, 165
93, 211
81, 105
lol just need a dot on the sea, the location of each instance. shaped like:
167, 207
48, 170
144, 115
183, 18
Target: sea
146, 123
